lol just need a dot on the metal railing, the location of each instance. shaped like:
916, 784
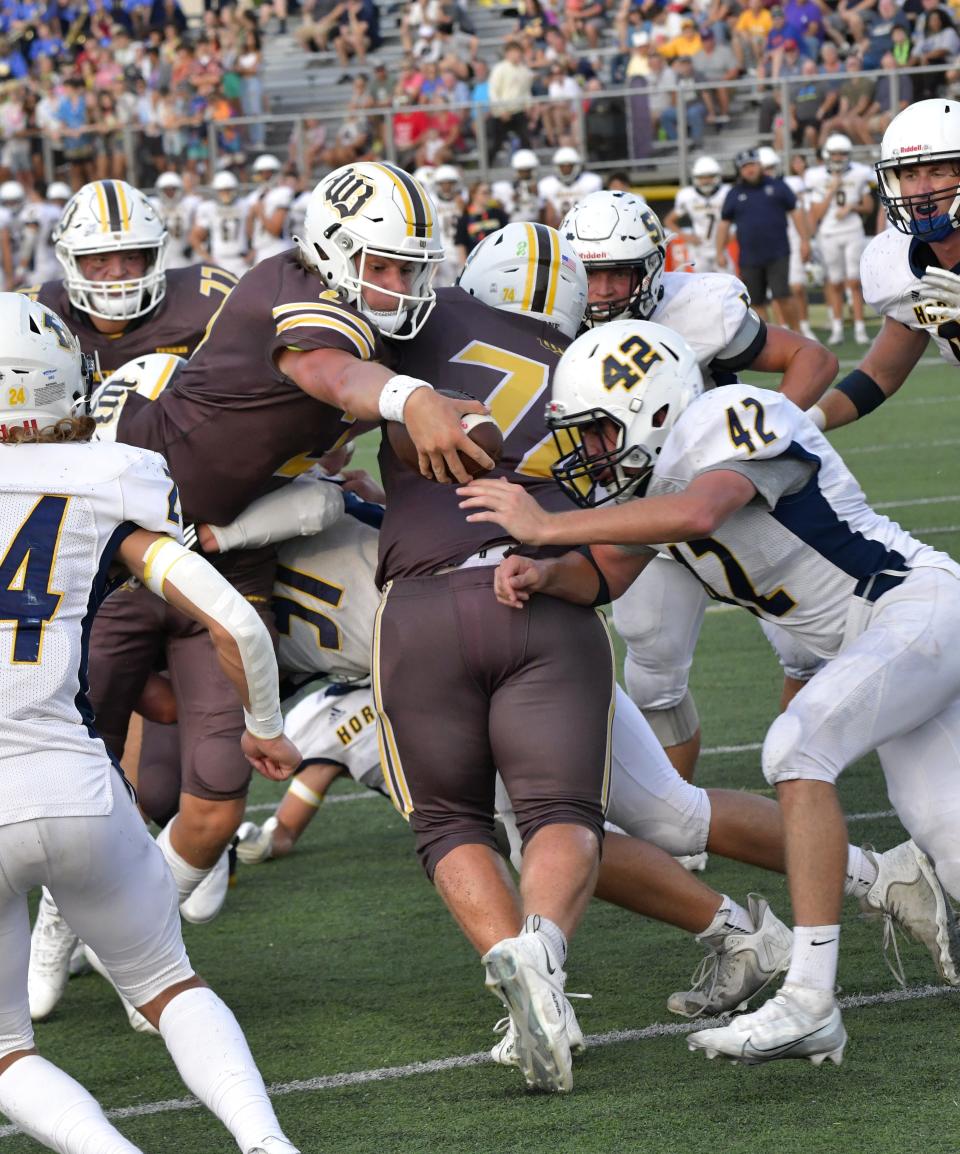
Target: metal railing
613, 127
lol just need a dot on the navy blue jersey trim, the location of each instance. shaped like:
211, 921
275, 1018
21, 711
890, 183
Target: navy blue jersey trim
368, 512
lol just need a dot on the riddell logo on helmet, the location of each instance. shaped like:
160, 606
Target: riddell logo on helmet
913, 148
600, 255
30, 426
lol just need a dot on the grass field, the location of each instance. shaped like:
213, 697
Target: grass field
367, 1010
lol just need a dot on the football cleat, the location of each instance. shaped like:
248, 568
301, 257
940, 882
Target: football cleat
274, 1146
207, 899
137, 1021
528, 979
908, 894
694, 863
254, 843
737, 965
78, 961
504, 1053
796, 1023
51, 944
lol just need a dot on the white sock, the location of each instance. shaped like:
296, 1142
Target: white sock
214, 1060
535, 924
186, 876
51, 1107
861, 873
730, 918
816, 952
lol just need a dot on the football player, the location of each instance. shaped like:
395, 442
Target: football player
762, 511
13, 197
841, 195
219, 227
697, 208
40, 220
116, 293
449, 197
67, 816
177, 209
562, 189
623, 246
906, 270
520, 197
268, 208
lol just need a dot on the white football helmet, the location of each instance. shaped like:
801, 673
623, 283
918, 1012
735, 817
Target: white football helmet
638, 375
927, 132
12, 196
147, 375
568, 163
226, 186
169, 187
529, 268
44, 377
372, 209
612, 229
770, 160
836, 152
446, 181
59, 191
524, 163
706, 175
112, 216
265, 168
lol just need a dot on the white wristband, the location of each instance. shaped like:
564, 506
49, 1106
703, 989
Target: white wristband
818, 416
394, 395
265, 727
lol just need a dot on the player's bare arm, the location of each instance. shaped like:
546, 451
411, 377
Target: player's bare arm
889, 361
357, 387
572, 577
242, 642
808, 367
697, 512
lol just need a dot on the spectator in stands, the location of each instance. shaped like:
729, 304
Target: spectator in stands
585, 21
660, 87
812, 102
939, 44
784, 62
170, 116
750, 33
410, 124
74, 122
685, 99
414, 16
715, 62
482, 216
167, 14
320, 20
111, 159
511, 84
686, 43
805, 19
759, 206
249, 68
358, 32
559, 118
891, 95
15, 157
855, 97
880, 32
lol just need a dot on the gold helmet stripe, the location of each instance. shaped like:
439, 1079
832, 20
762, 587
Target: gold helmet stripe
416, 203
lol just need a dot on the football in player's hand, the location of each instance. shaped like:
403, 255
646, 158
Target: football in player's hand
479, 427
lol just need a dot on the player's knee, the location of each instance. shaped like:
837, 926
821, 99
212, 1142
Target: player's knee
655, 686
675, 725
788, 754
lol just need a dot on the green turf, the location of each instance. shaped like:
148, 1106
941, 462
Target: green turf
341, 959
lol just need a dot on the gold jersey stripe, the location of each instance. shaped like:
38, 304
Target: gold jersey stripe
393, 776
363, 327
318, 321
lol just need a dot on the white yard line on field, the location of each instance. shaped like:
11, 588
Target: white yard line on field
441, 1065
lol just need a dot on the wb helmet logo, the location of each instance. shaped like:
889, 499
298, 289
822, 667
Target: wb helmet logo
348, 193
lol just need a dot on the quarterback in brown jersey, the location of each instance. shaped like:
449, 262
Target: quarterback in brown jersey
296, 347
116, 293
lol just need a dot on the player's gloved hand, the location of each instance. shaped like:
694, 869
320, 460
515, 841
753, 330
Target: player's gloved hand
940, 296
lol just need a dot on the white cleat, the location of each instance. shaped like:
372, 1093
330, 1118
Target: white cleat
836, 336
137, 1021
694, 863
51, 944
737, 966
908, 893
274, 1146
504, 1053
860, 335
528, 979
78, 961
254, 842
807, 331
796, 1023
207, 899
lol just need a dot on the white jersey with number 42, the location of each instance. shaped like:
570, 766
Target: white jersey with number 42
808, 545
64, 509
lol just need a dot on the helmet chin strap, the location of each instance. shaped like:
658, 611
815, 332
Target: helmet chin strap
388, 322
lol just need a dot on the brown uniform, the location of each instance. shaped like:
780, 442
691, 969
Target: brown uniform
463, 685
177, 325
232, 427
